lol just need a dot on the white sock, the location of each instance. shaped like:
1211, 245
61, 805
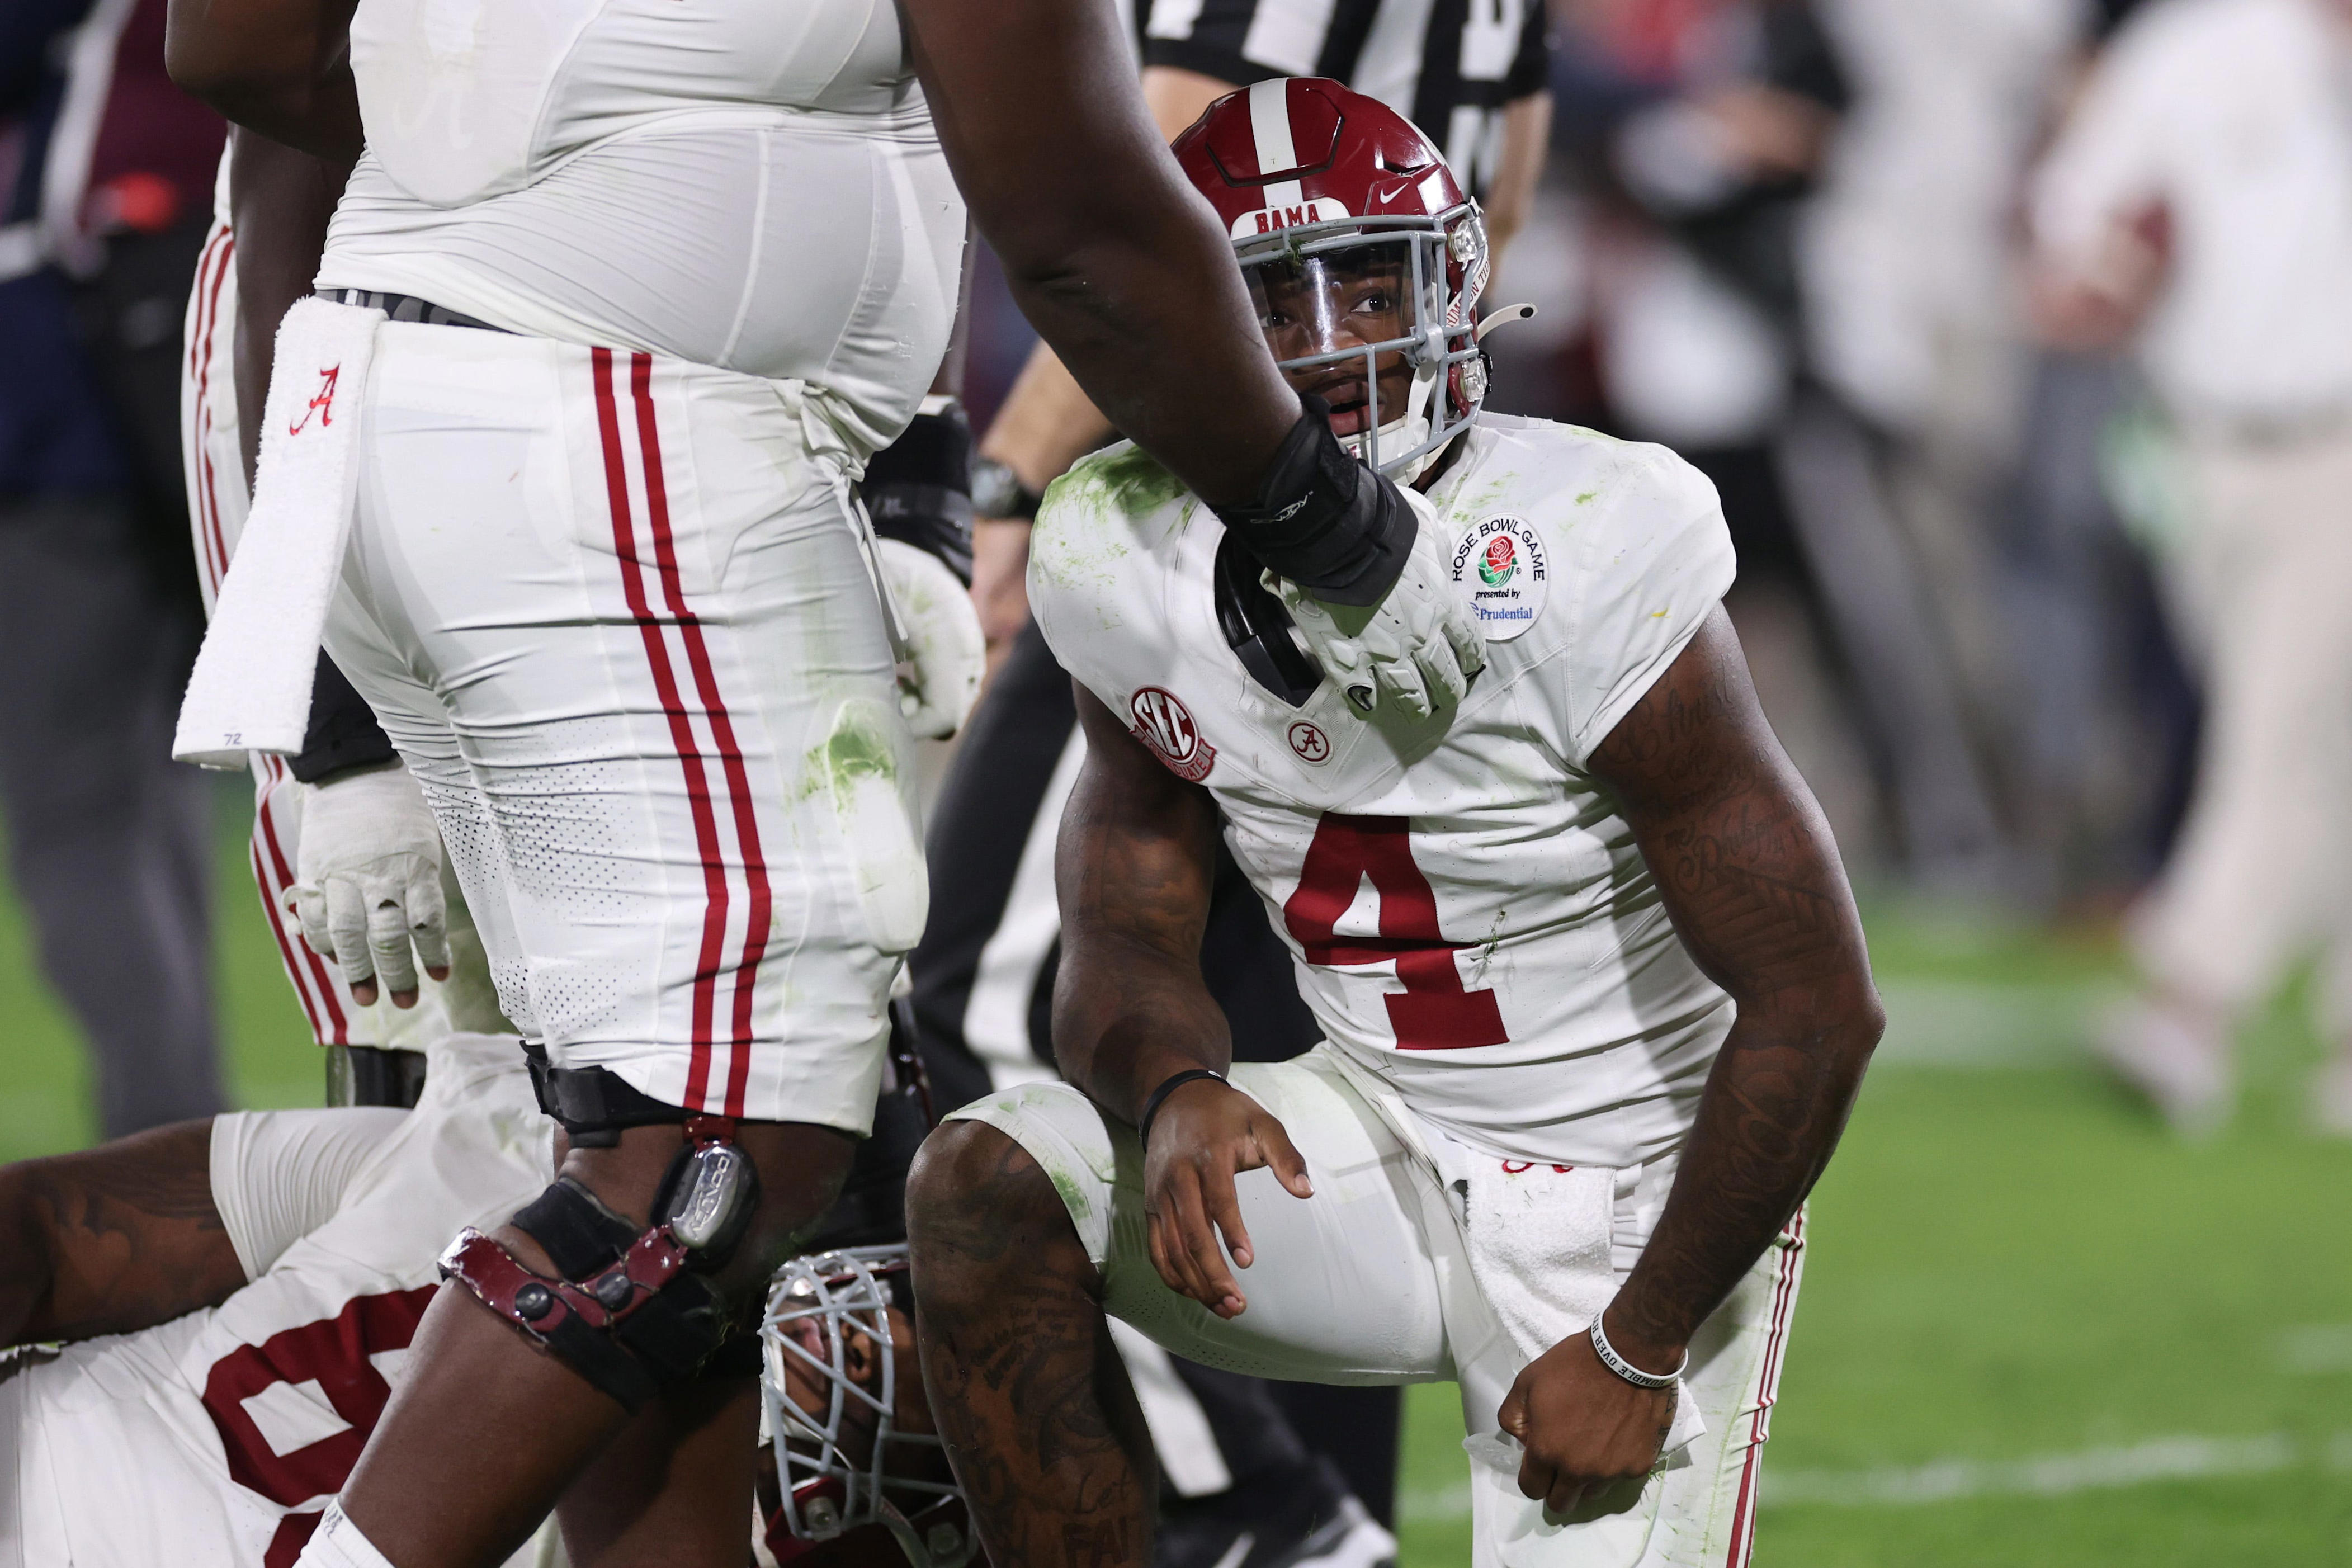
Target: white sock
338, 1543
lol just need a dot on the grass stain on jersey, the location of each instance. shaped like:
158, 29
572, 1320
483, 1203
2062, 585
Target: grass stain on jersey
1125, 480
1079, 531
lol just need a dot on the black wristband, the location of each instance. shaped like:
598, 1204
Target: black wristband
342, 733
1168, 1086
918, 490
1323, 520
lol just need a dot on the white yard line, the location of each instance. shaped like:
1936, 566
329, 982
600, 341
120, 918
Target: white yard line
2048, 1475
1970, 1024
1953, 1480
2317, 1349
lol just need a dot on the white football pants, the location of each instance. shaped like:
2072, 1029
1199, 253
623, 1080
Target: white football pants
1371, 1280
613, 610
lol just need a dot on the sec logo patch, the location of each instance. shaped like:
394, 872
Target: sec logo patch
1163, 723
1503, 563
1311, 743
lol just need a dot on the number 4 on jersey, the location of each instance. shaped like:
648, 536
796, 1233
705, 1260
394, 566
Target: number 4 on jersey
1432, 1013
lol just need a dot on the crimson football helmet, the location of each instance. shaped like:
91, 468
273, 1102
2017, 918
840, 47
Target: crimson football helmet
1358, 245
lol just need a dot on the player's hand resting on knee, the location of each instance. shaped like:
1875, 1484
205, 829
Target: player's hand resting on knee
1204, 1134
1584, 1428
368, 882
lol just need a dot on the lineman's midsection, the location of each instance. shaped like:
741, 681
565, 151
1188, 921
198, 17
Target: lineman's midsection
613, 610
819, 248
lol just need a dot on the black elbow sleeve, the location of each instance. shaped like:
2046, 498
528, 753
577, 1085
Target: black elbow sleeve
1323, 520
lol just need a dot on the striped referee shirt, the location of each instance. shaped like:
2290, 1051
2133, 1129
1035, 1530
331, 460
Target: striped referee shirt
1449, 66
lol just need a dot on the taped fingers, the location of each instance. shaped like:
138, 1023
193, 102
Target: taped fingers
387, 941
429, 920
345, 921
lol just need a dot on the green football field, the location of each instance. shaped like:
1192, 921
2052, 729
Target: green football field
2034, 1329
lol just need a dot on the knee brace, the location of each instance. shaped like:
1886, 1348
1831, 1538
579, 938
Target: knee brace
631, 1311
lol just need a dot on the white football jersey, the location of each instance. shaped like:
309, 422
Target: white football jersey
217, 1439
753, 187
1470, 916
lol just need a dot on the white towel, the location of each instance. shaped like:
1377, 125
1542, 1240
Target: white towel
251, 688
1541, 1245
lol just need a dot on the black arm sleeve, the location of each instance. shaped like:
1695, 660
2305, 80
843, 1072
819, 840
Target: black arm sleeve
343, 733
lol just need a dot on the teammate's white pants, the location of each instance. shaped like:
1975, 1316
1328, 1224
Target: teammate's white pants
614, 612
1369, 1281
2263, 870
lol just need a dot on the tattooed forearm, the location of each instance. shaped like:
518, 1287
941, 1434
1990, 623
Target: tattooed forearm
1135, 872
116, 1238
1746, 868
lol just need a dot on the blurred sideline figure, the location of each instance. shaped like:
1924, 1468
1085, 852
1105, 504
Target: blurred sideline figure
103, 171
1236, 1468
2198, 204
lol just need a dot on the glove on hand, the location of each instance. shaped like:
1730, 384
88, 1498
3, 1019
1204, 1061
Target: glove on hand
368, 887
945, 649
1417, 649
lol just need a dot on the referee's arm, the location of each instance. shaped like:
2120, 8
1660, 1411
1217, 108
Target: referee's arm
1526, 134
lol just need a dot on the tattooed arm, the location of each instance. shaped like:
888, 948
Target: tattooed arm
116, 1238
1133, 868
1748, 874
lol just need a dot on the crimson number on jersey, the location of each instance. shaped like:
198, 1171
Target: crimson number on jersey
332, 1353
1432, 1013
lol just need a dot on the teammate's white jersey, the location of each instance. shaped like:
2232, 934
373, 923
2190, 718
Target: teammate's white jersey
756, 188
215, 1440
1470, 915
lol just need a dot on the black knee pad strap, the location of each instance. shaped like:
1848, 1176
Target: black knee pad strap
633, 1312
581, 1235
593, 1105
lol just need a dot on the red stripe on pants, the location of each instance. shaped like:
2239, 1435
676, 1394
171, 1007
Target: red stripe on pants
1743, 1518
340, 1034
210, 536
681, 729
722, 732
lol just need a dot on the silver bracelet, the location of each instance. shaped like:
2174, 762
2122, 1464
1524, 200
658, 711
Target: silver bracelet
1626, 1369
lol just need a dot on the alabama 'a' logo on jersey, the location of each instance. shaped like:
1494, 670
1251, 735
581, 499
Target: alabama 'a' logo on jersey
1165, 724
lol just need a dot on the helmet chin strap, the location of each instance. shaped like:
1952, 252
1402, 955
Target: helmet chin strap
1399, 435
1405, 432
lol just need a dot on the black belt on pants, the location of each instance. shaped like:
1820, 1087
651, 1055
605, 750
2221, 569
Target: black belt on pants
404, 308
